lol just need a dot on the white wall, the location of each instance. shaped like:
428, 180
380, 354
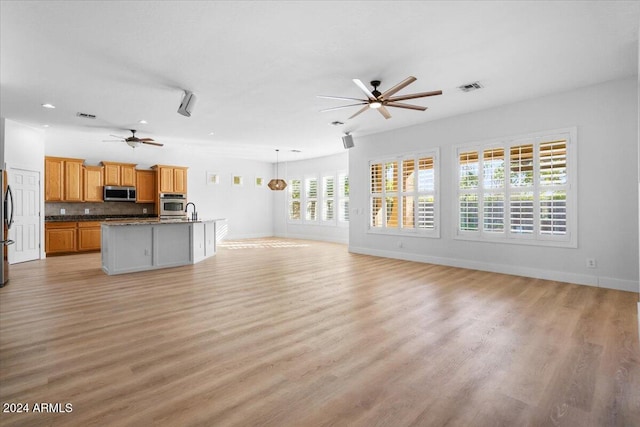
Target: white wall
318, 167
249, 209
23, 148
606, 117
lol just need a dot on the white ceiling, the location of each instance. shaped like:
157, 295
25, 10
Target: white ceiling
257, 67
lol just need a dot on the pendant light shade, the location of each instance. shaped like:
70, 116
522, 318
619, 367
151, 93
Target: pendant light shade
277, 184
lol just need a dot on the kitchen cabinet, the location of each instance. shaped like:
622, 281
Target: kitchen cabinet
88, 236
60, 237
63, 179
171, 179
119, 174
93, 183
146, 186
72, 236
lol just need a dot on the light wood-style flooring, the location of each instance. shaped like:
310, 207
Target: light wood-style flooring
296, 333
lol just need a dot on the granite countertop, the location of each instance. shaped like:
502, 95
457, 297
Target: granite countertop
61, 218
142, 221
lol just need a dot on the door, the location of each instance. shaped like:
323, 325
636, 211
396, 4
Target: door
25, 230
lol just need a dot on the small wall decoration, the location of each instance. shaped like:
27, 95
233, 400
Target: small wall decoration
213, 178
259, 181
236, 180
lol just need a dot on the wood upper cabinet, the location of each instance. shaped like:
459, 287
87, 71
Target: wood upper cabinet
119, 174
171, 179
145, 186
63, 179
53, 179
93, 182
180, 180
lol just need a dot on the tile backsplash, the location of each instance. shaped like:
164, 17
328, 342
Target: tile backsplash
106, 208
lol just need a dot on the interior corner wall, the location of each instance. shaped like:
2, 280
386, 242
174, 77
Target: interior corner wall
606, 118
317, 167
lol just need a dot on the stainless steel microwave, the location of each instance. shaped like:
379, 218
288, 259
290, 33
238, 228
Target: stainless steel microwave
119, 194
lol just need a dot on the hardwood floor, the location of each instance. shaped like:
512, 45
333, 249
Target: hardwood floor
295, 333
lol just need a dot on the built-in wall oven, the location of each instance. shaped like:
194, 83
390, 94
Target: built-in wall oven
172, 205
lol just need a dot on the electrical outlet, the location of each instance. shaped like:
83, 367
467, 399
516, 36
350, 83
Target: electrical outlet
144, 210
63, 211
591, 263
86, 211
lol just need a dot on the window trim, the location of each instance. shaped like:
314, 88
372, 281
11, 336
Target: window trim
536, 238
399, 230
320, 199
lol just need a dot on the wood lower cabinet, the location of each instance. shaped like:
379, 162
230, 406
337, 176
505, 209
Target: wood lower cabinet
68, 237
89, 236
60, 237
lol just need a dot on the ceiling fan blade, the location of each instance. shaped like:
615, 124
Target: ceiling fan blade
343, 106
364, 88
414, 95
112, 140
406, 82
341, 98
122, 138
363, 109
152, 143
384, 112
408, 106
145, 139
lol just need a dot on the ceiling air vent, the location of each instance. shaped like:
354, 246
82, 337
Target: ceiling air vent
86, 116
336, 123
470, 87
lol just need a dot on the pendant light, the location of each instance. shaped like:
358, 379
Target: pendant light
277, 184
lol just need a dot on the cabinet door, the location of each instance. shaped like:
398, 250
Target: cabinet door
93, 184
60, 238
127, 176
180, 180
111, 174
145, 187
166, 180
53, 179
89, 236
73, 181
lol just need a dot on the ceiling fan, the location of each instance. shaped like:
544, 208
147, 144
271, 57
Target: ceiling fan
380, 101
133, 141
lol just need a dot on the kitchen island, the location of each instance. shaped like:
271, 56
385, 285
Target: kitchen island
131, 246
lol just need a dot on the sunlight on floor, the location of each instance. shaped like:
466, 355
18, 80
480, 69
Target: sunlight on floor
260, 244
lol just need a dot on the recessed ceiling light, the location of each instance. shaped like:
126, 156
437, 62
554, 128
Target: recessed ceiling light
210, 133
48, 106
45, 126
142, 122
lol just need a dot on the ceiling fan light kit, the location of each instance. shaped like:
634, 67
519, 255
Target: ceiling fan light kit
380, 101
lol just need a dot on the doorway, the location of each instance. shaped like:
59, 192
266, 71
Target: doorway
25, 230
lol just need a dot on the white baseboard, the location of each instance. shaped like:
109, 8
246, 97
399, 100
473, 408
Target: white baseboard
315, 237
559, 276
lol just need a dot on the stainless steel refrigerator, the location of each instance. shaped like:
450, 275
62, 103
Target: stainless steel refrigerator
6, 219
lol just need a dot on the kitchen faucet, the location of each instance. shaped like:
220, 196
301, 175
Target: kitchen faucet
194, 214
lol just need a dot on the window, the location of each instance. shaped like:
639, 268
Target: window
520, 190
311, 197
295, 199
343, 197
403, 195
321, 201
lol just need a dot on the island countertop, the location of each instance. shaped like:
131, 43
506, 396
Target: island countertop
144, 221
